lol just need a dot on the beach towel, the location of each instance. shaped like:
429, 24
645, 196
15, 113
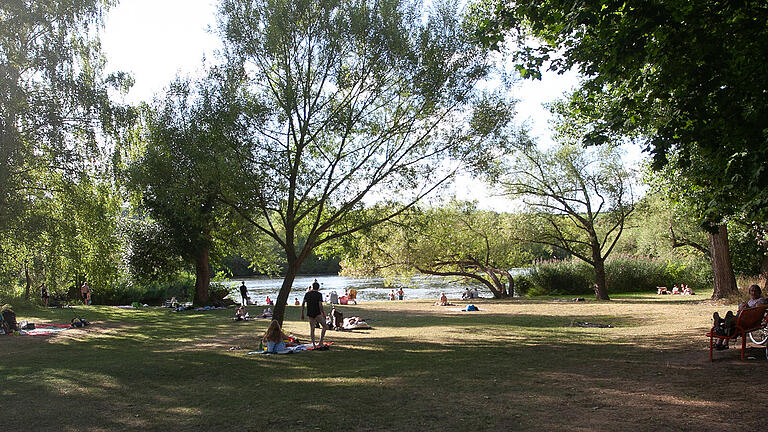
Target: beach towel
45, 329
354, 324
295, 349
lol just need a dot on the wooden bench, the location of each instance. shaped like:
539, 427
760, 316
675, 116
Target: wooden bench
749, 319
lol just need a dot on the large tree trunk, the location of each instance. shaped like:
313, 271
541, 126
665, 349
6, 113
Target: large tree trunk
601, 285
725, 281
202, 277
764, 271
278, 312
500, 290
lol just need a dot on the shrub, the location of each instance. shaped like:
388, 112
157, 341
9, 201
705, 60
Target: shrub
125, 291
623, 273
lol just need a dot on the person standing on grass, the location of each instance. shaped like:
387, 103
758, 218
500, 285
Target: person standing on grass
44, 294
85, 293
315, 313
244, 293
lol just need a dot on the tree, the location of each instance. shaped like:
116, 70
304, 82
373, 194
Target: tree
457, 241
54, 109
689, 76
580, 201
180, 168
661, 226
680, 191
686, 77
361, 101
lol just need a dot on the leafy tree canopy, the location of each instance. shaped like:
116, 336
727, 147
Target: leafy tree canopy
689, 77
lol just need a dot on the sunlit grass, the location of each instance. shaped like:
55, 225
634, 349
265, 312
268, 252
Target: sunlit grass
422, 367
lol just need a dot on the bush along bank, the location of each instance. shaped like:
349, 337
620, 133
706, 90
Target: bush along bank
624, 273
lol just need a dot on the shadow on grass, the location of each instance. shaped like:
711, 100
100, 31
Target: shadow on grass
135, 379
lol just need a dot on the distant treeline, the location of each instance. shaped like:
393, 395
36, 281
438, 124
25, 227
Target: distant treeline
238, 266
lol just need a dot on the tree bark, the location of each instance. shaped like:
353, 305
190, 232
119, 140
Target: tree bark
725, 281
278, 312
764, 271
601, 285
202, 277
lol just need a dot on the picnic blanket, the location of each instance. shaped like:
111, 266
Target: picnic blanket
295, 349
45, 329
465, 309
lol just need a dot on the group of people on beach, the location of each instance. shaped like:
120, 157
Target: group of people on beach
275, 340
683, 289
396, 295
470, 294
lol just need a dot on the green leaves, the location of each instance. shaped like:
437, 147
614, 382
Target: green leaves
688, 78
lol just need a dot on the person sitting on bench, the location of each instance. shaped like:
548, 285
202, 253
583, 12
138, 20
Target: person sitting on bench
724, 326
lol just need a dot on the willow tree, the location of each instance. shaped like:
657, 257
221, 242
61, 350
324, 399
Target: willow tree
181, 167
360, 102
54, 102
456, 241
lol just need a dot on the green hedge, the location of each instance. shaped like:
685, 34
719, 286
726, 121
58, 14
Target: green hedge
624, 274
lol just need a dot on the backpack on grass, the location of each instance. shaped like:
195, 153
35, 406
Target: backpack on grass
9, 323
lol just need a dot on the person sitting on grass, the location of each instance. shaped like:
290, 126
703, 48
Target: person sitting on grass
266, 314
274, 338
241, 314
724, 326
443, 300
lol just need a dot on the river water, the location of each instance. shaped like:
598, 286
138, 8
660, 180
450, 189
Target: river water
368, 289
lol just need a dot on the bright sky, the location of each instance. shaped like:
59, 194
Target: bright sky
155, 40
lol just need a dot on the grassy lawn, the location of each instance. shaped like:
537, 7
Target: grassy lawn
516, 365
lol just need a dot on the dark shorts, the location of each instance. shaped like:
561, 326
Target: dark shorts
313, 316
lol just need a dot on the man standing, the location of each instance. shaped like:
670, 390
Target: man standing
314, 302
244, 293
85, 293
44, 294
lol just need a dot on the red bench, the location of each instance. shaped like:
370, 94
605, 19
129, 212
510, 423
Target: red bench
749, 319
